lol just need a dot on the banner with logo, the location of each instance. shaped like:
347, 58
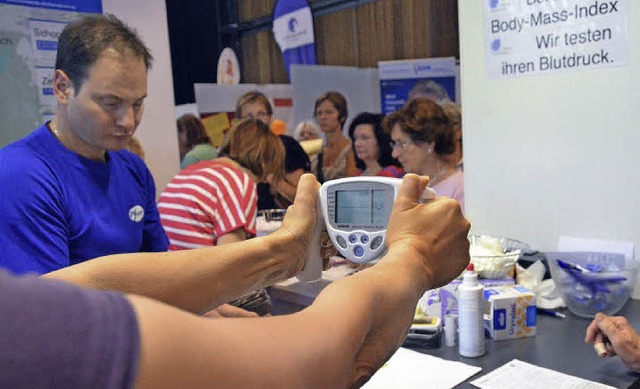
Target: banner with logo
293, 31
29, 32
434, 78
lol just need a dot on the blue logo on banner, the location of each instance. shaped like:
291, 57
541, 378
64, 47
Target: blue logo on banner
493, 3
47, 91
293, 24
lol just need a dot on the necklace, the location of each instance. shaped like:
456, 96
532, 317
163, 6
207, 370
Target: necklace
54, 130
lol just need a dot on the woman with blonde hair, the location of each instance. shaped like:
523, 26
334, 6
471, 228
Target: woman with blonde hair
215, 202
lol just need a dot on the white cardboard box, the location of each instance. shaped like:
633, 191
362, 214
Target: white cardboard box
511, 312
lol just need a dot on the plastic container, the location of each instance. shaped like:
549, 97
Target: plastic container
470, 315
494, 257
592, 282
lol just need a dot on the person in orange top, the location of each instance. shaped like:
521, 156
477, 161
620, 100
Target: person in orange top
336, 160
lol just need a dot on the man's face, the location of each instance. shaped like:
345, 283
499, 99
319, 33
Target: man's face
105, 112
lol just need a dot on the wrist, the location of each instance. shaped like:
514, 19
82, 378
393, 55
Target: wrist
287, 251
408, 260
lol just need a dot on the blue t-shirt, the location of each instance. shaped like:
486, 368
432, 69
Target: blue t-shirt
58, 208
56, 335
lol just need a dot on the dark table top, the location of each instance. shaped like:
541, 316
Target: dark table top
558, 345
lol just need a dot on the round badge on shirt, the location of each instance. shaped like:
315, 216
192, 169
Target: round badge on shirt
136, 213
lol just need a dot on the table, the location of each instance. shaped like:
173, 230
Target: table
559, 343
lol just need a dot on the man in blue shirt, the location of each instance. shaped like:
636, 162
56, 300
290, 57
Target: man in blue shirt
70, 191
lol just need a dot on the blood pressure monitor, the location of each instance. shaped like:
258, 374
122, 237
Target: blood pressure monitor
356, 211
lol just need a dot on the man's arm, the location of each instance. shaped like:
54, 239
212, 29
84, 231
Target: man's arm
194, 280
351, 329
202, 279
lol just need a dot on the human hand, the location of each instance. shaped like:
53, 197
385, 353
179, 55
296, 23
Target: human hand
228, 310
299, 224
436, 231
618, 336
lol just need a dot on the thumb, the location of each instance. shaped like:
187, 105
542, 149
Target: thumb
307, 191
410, 192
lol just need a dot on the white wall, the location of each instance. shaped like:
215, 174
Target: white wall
157, 131
555, 154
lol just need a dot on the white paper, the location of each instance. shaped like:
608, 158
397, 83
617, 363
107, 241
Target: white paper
522, 375
408, 369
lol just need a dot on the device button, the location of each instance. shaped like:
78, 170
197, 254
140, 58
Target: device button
364, 239
353, 238
358, 251
341, 242
377, 242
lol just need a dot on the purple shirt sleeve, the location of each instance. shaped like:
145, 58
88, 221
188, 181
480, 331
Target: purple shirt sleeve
56, 335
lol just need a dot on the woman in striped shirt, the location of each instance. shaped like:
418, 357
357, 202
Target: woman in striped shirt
215, 202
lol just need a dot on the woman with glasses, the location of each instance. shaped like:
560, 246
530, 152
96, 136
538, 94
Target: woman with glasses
336, 160
422, 139
371, 146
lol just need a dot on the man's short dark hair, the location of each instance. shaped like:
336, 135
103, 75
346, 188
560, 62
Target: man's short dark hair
83, 41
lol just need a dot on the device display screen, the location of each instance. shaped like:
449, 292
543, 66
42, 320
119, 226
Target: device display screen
362, 207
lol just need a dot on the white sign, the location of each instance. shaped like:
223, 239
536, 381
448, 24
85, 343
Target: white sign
527, 37
294, 29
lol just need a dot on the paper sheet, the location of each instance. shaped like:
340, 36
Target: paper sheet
408, 369
522, 375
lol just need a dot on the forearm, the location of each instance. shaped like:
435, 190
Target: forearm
364, 318
194, 280
327, 345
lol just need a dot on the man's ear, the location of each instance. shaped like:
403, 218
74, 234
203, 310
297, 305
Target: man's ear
62, 86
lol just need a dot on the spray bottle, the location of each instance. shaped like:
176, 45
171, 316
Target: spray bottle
470, 315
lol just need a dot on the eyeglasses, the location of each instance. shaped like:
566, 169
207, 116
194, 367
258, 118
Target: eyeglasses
258, 115
398, 145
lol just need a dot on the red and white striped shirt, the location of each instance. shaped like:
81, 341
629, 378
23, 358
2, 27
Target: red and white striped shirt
205, 201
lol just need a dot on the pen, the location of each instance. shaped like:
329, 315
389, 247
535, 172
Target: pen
551, 313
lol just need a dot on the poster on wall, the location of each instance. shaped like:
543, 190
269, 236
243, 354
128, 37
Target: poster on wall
29, 33
528, 37
434, 78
